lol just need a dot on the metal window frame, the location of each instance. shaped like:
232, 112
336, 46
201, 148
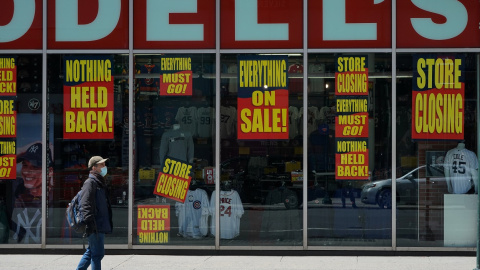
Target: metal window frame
305, 51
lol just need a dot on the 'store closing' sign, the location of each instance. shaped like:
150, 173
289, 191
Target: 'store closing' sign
173, 180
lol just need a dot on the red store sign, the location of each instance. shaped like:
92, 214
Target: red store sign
244, 24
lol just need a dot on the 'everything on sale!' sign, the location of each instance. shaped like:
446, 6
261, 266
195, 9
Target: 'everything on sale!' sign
262, 98
88, 98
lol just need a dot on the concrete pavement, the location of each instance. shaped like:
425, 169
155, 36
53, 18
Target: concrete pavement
134, 262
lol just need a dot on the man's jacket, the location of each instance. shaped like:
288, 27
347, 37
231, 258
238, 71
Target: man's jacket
95, 205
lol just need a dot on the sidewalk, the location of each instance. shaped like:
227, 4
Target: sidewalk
134, 262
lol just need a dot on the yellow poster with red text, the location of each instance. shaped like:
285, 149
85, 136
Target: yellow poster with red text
8, 118
262, 98
88, 98
438, 97
351, 120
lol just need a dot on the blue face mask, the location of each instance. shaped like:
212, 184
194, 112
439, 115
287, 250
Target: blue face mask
104, 171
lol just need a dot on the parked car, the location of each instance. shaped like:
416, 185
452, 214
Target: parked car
380, 192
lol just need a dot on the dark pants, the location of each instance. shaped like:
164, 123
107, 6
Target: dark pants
347, 191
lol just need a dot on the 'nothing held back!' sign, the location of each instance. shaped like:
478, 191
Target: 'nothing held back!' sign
88, 98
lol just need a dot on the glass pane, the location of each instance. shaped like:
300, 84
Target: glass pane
174, 149
437, 165
20, 144
349, 123
261, 150
87, 116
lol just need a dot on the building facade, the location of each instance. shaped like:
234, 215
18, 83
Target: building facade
243, 125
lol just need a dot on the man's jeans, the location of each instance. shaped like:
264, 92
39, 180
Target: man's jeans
94, 253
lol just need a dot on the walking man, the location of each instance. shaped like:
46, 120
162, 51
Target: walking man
97, 212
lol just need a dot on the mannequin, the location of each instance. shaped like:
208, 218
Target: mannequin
461, 170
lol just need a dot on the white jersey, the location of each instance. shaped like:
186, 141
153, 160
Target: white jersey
193, 214
228, 120
461, 170
231, 210
293, 116
205, 122
186, 118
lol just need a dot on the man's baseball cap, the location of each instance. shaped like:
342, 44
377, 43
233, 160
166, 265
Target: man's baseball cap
96, 160
34, 155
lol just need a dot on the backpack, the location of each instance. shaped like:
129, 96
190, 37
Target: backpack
74, 215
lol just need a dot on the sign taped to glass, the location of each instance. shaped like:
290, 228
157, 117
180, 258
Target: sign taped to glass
88, 98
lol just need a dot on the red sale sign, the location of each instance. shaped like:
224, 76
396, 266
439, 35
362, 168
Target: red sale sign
153, 218
438, 97
8, 76
88, 98
262, 98
352, 165
176, 76
173, 180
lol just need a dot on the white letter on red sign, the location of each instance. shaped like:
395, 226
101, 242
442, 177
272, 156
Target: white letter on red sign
23, 14
158, 23
336, 28
68, 29
247, 27
455, 13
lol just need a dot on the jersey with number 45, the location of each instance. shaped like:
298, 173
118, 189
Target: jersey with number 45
231, 210
186, 117
461, 169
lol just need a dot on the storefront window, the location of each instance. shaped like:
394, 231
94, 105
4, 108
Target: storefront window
20, 144
348, 126
437, 164
261, 150
87, 116
174, 149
